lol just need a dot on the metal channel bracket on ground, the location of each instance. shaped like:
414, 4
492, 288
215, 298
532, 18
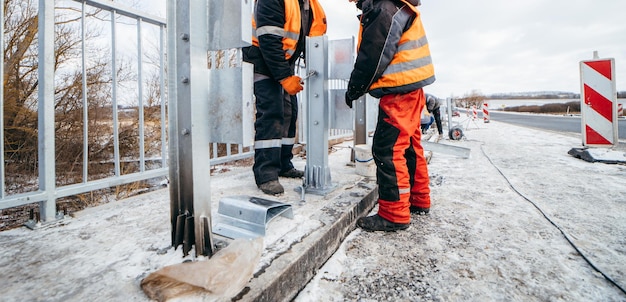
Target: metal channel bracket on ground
246, 216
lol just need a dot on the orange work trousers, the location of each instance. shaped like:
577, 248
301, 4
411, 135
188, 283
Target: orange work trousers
401, 168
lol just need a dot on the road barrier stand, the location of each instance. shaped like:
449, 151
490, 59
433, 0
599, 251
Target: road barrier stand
485, 112
598, 103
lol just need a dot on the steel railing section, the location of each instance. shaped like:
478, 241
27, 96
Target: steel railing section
125, 11
48, 191
339, 84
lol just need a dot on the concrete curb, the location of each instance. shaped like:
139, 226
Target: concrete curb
290, 272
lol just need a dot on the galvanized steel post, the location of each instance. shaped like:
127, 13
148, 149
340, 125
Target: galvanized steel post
46, 145
187, 35
210, 101
317, 177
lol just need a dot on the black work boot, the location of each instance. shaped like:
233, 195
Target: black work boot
272, 187
293, 173
418, 210
377, 223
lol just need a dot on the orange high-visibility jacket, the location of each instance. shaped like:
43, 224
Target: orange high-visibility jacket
393, 53
290, 32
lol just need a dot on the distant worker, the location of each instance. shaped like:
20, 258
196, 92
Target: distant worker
393, 63
433, 104
426, 120
280, 28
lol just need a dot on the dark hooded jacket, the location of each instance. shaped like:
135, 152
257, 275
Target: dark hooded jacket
269, 57
383, 24
432, 103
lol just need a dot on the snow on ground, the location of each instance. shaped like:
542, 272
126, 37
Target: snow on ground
494, 231
486, 238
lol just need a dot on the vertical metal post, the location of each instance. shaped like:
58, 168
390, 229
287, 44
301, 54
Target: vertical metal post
116, 131
2, 185
162, 38
85, 102
189, 127
46, 148
142, 162
172, 120
317, 177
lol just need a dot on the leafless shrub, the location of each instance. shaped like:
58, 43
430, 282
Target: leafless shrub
554, 108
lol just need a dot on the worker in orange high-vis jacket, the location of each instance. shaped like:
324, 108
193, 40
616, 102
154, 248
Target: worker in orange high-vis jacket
279, 31
393, 63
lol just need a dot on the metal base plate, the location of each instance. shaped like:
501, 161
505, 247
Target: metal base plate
247, 217
447, 149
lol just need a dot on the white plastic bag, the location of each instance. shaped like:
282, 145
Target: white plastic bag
221, 277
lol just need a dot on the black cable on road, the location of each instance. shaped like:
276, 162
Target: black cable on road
554, 224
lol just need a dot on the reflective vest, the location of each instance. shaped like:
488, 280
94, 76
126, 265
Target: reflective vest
291, 30
412, 62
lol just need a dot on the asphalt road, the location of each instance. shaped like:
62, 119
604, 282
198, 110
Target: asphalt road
550, 122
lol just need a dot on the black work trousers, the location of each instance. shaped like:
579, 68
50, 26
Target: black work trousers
437, 114
275, 129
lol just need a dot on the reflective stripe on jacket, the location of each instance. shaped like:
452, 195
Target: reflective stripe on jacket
290, 32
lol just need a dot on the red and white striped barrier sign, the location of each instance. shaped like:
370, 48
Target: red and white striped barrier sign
485, 112
620, 109
598, 102
474, 112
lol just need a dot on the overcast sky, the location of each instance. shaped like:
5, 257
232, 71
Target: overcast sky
510, 46
496, 46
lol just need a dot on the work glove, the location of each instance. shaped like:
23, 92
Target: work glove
349, 100
292, 84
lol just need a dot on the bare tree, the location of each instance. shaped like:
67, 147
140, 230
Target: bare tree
21, 84
474, 98
20, 101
